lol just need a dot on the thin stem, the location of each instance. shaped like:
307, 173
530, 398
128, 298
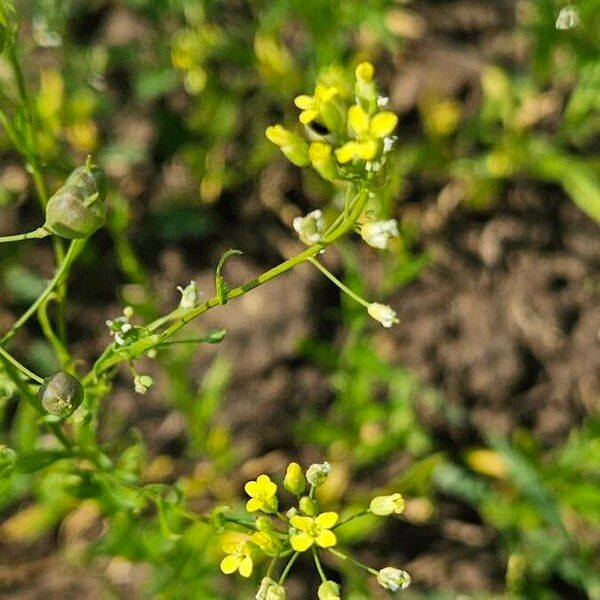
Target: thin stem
362, 513
337, 282
353, 561
109, 359
59, 348
15, 363
318, 563
38, 233
287, 568
74, 249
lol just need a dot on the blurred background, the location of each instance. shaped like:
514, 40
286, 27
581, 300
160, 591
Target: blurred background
480, 406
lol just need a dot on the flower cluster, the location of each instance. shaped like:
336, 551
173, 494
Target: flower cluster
304, 527
347, 139
344, 142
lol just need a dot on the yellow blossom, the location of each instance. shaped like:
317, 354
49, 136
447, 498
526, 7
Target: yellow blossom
240, 557
369, 132
262, 494
311, 530
312, 106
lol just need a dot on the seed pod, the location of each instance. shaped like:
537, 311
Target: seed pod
91, 178
61, 394
72, 214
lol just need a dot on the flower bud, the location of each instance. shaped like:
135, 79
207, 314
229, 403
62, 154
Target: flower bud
317, 474
310, 228
270, 590
382, 313
308, 506
294, 480
329, 590
293, 146
61, 394
365, 88
321, 157
383, 506
393, 579
190, 296
378, 234
72, 214
267, 542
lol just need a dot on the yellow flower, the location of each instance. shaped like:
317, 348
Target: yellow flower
311, 530
312, 106
240, 557
369, 132
262, 494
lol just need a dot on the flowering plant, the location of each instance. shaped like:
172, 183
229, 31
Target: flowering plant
281, 537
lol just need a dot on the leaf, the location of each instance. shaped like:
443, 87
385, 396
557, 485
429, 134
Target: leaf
28, 462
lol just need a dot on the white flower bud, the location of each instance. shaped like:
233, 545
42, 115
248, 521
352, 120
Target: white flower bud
317, 474
329, 590
142, 383
189, 296
568, 18
393, 579
311, 227
379, 233
270, 590
382, 313
383, 506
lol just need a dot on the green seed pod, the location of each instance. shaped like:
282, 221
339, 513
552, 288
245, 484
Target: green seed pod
73, 214
91, 178
61, 394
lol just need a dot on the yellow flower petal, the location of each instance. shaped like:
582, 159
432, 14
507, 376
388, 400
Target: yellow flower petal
383, 123
246, 567
367, 150
346, 152
254, 504
358, 119
230, 547
251, 488
302, 523
326, 539
307, 116
230, 564
324, 94
304, 102
327, 519
301, 541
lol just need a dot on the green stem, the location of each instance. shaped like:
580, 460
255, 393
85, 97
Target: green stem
61, 351
109, 359
318, 563
38, 233
353, 561
62, 271
337, 282
15, 363
287, 568
362, 513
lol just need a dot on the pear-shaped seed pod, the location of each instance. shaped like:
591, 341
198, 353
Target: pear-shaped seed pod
91, 178
71, 215
61, 394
